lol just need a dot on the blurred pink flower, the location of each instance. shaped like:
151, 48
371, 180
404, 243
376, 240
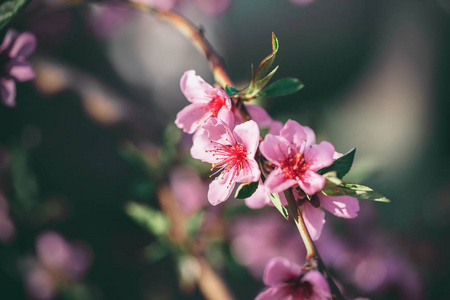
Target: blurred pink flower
206, 102
106, 20
231, 151
301, 2
189, 189
13, 52
287, 282
296, 158
56, 260
255, 239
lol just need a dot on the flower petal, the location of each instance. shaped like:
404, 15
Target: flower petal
320, 286
259, 115
319, 156
24, 45
259, 199
311, 182
279, 270
8, 39
194, 87
214, 132
310, 136
219, 189
314, 220
342, 206
276, 182
275, 127
274, 148
247, 134
276, 293
191, 118
294, 133
20, 70
250, 173
8, 91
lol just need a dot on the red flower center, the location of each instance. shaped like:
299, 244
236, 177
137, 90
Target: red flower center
215, 105
294, 166
231, 157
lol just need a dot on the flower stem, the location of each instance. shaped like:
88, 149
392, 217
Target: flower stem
296, 213
195, 35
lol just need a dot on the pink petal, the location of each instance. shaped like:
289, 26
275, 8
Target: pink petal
191, 118
259, 199
314, 220
311, 182
274, 148
276, 182
275, 127
227, 116
219, 189
8, 91
247, 134
342, 206
310, 136
337, 155
279, 270
21, 71
321, 289
250, 173
206, 138
276, 293
194, 87
294, 133
259, 115
24, 45
319, 156
301, 2
8, 39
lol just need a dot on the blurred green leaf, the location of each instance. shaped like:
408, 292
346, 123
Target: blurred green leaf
9, 9
282, 87
151, 219
355, 190
231, 90
156, 251
23, 179
341, 165
245, 190
194, 222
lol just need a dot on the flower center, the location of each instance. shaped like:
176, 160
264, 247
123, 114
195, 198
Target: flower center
215, 105
230, 158
294, 166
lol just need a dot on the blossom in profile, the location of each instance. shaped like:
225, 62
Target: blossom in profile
230, 151
13, 52
206, 102
296, 158
287, 282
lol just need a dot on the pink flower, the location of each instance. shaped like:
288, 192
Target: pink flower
231, 152
287, 282
296, 158
206, 102
13, 52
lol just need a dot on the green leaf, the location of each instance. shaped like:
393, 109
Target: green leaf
9, 9
193, 223
231, 90
267, 62
355, 190
151, 219
275, 198
341, 165
282, 87
245, 190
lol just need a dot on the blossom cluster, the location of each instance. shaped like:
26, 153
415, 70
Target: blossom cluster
226, 134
